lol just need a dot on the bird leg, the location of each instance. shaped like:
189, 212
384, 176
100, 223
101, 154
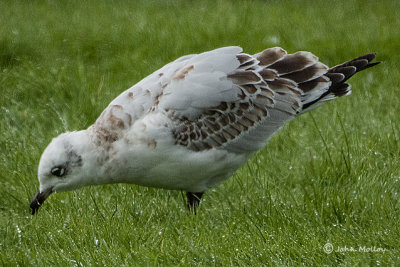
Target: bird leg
193, 200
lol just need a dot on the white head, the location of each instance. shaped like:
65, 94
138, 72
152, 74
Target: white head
66, 164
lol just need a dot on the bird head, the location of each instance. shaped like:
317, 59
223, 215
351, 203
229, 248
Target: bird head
62, 166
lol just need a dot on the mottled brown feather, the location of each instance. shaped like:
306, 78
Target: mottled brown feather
241, 77
243, 58
268, 74
270, 56
307, 73
310, 85
293, 62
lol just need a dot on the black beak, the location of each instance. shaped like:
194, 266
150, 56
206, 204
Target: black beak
39, 198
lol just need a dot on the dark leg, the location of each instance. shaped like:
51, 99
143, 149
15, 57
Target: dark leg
193, 200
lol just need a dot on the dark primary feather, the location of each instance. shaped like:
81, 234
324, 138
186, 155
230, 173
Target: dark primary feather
341, 73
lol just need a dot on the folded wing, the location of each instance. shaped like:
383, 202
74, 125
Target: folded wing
235, 101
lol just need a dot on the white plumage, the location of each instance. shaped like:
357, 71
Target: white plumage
194, 122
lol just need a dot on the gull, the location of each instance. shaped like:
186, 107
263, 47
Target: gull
191, 124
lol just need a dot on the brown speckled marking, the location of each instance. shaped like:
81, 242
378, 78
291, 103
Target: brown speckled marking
117, 106
156, 102
104, 135
152, 144
180, 74
116, 122
107, 129
130, 95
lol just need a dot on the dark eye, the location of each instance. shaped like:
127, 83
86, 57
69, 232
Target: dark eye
58, 171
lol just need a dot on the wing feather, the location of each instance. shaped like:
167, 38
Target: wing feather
254, 99
225, 99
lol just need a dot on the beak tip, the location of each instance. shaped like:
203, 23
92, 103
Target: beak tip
38, 199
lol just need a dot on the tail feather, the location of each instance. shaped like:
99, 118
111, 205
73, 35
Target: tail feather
338, 76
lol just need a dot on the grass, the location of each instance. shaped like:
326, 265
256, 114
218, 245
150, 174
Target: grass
331, 176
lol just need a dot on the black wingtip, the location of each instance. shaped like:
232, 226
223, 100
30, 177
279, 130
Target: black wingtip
339, 74
370, 65
369, 57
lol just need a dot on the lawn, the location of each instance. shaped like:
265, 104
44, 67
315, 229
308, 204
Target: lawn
330, 176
